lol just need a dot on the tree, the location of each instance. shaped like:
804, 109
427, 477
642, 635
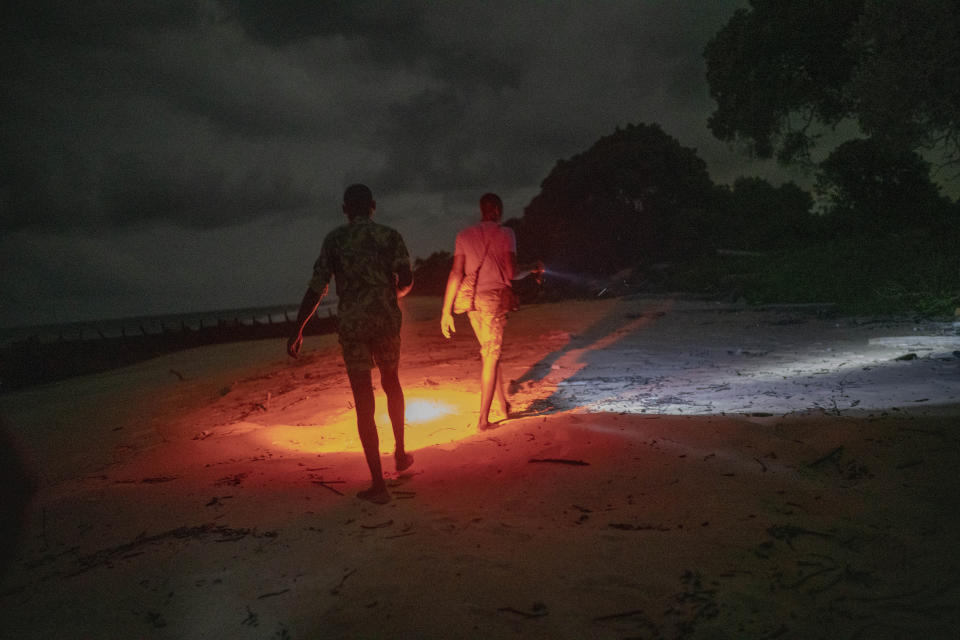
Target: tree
906, 86
779, 69
635, 196
761, 217
876, 186
784, 69
430, 273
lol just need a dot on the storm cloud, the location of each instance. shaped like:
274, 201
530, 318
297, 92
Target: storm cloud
139, 122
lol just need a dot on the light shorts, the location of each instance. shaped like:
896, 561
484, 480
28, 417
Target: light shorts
488, 322
361, 354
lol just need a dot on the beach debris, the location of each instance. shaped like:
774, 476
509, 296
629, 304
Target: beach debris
537, 610
576, 463
159, 479
104, 557
326, 485
234, 480
746, 352
178, 374
156, 620
252, 619
203, 435
623, 614
910, 463
379, 525
336, 590
907, 356
273, 593
788, 532
623, 526
406, 531
833, 456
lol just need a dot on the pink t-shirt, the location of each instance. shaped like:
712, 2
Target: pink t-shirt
500, 242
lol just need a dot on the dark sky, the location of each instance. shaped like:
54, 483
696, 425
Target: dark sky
167, 156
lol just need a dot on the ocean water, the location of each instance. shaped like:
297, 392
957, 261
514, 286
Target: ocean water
115, 327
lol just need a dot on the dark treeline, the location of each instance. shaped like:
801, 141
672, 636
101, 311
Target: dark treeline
875, 233
638, 212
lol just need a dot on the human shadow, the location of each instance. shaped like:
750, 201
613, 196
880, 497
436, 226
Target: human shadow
566, 363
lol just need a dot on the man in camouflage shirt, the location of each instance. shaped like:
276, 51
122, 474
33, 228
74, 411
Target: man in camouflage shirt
372, 268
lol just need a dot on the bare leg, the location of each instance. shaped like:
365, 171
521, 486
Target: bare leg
362, 386
491, 379
488, 382
499, 396
390, 381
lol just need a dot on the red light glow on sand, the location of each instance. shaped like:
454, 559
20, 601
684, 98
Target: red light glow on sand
433, 416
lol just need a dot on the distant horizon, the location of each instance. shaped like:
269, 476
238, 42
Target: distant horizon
221, 312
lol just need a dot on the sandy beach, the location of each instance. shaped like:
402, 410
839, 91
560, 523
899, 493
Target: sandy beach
677, 468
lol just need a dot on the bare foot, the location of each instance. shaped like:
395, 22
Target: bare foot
376, 495
483, 426
403, 461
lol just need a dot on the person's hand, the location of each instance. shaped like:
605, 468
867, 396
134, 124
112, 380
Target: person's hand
537, 271
447, 328
294, 344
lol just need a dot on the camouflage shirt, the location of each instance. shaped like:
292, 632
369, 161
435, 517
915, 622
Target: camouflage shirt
364, 257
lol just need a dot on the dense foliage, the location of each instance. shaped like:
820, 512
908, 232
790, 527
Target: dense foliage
430, 273
636, 194
785, 71
638, 213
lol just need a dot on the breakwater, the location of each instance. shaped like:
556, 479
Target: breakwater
32, 360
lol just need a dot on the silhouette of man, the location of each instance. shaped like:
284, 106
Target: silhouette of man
490, 250
372, 268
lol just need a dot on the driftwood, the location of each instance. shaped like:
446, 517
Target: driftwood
336, 590
326, 485
832, 456
538, 610
578, 463
637, 527
625, 614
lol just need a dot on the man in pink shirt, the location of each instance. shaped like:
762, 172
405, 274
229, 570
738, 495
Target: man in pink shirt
490, 251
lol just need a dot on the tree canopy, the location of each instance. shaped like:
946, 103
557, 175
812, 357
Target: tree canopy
761, 217
635, 196
877, 186
783, 70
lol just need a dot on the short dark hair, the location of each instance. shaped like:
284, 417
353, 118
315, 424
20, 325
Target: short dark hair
490, 203
357, 199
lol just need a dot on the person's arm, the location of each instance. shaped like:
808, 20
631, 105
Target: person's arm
403, 275
447, 327
404, 281
308, 307
535, 268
